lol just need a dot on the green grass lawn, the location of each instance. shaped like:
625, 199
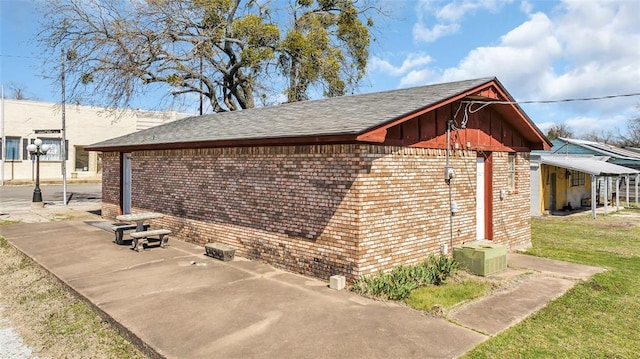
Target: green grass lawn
599, 318
446, 296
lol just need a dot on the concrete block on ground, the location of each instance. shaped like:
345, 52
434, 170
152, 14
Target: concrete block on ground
337, 282
220, 251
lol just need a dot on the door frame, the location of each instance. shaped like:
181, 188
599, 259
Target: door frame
488, 196
125, 183
487, 193
480, 198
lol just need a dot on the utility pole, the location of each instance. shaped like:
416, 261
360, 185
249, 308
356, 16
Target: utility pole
200, 85
2, 138
63, 149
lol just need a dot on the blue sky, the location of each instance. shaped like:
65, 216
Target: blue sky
539, 50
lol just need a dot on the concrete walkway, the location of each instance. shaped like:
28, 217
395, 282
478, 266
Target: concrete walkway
178, 303
542, 280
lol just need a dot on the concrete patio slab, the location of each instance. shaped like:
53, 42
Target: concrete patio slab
240, 309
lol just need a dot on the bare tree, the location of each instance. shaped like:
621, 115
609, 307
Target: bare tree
601, 136
632, 137
18, 92
221, 49
560, 130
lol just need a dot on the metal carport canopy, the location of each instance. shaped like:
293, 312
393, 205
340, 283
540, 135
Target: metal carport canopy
588, 165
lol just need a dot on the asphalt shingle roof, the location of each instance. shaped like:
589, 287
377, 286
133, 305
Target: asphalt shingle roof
334, 116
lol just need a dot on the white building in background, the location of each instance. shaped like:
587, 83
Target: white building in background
24, 121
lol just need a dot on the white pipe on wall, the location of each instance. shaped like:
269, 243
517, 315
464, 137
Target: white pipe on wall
606, 195
626, 181
637, 180
618, 193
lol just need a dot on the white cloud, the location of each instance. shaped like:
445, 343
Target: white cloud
538, 29
586, 125
596, 79
454, 11
526, 7
422, 33
602, 31
410, 62
416, 77
524, 57
447, 18
582, 49
574, 49
602, 126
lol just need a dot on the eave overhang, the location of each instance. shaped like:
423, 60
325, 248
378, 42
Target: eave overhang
273, 141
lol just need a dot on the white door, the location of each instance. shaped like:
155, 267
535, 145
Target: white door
126, 183
480, 199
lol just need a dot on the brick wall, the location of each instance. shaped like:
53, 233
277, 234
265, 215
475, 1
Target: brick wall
405, 205
110, 184
291, 206
511, 216
318, 210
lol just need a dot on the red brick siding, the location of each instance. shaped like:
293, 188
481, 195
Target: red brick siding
320, 210
111, 184
405, 211
292, 206
511, 218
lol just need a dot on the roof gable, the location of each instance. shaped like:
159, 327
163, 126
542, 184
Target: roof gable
481, 118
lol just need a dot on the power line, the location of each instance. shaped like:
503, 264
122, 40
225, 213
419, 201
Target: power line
552, 101
468, 109
21, 56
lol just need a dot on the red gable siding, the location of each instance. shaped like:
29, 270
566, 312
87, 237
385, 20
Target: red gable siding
486, 130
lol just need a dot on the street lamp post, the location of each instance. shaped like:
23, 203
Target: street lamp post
37, 149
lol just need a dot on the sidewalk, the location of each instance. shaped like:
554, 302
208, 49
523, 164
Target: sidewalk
178, 303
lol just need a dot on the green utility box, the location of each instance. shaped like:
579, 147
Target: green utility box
481, 257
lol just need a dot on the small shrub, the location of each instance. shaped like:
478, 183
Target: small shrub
402, 280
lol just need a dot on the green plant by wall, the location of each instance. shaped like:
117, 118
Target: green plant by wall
398, 284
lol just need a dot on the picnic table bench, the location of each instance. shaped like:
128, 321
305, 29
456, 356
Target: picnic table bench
140, 238
119, 230
142, 232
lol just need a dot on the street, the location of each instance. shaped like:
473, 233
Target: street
18, 196
14, 199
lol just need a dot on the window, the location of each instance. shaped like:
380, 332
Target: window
12, 149
577, 178
82, 159
54, 153
511, 171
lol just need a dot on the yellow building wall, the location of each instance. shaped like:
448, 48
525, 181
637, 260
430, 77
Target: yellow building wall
543, 194
565, 194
